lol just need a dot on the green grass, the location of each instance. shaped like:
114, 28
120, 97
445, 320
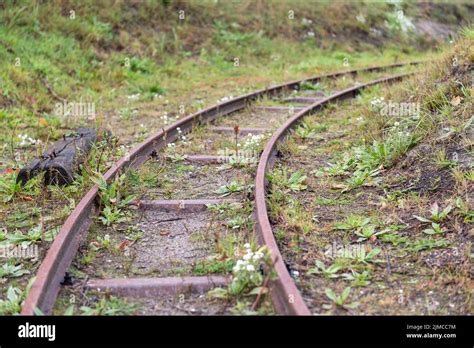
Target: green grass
107, 306
141, 63
411, 201
78, 60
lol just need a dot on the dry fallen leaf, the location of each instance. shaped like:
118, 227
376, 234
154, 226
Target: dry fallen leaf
43, 122
456, 101
27, 198
123, 244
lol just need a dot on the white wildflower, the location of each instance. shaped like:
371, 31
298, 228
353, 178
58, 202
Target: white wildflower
133, 96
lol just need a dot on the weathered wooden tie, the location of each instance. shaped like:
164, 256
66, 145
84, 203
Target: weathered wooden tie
61, 159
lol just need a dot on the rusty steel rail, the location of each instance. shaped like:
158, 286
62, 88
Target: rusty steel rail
286, 297
46, 285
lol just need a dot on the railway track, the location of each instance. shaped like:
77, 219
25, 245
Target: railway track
172, 210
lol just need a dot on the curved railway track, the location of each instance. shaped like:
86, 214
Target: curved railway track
286, 298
